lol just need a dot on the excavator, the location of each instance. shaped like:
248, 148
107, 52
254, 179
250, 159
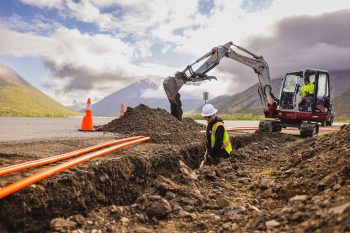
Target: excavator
289, 110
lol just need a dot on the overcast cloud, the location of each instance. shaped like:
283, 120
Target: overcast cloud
297, 43
96, 47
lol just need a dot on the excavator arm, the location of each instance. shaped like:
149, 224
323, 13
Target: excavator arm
172, 85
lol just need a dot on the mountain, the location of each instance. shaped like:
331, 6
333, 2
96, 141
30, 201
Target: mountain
19, 98
133, 95
248, 101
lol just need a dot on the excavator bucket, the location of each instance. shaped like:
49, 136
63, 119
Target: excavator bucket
172, 86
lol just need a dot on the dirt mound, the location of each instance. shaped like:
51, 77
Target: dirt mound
312, 190
157, 123
322, 162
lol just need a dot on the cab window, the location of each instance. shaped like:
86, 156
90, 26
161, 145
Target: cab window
290, 82
322, 89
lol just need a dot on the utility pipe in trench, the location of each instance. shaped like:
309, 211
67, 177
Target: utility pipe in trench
21, 184
44, 161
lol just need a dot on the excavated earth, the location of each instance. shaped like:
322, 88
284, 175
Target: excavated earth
274, 182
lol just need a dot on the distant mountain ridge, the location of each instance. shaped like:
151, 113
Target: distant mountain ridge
19, 98
9, 77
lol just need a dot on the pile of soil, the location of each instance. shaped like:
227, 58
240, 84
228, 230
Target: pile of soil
161, 126
316, 184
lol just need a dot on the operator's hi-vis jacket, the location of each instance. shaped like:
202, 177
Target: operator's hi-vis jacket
218, 141
307, 89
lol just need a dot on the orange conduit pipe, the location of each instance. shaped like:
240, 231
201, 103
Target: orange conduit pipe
41, 162
21, 184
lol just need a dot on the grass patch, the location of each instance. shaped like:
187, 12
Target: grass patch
320, 136
269, 171
250, 194
232, 118
180, 226
342, 120
23, 101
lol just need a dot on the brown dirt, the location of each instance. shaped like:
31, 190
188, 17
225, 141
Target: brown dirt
156, 123
275, 182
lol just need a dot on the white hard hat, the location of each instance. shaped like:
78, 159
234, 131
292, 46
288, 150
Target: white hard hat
208, 110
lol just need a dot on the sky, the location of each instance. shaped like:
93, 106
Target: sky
73, 49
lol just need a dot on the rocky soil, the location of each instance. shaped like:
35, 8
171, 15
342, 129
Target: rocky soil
275, 182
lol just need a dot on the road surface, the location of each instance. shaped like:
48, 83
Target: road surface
35, 128
32, 128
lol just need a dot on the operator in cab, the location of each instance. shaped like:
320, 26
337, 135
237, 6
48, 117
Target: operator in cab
218, 141
308, 88
306, 93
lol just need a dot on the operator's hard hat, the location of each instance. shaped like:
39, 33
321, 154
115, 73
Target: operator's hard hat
208, 110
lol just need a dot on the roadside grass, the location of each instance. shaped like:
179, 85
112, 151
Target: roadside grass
248, 118
342, 120
232, 118
36, 115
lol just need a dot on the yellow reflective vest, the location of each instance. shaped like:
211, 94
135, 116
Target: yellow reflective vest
307, 89
226, 144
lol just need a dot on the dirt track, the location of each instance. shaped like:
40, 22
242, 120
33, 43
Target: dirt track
275, 182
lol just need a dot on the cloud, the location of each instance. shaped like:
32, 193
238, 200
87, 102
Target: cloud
38, 24
136, 39
44, 3
296, 43
86, 78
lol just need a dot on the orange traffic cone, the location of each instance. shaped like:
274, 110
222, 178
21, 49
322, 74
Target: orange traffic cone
86, 124
121, 112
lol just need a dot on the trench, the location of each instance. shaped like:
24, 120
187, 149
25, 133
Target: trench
98, 184
95, 184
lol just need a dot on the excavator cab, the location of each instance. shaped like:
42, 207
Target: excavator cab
291, 97
311, 106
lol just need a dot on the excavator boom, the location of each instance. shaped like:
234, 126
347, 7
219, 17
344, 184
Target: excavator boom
172, 85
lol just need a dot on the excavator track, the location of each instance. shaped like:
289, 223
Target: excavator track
309, 129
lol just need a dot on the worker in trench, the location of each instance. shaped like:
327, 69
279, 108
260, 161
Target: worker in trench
218, 141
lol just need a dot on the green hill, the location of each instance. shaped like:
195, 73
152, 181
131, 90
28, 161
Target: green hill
342, 106
19, 98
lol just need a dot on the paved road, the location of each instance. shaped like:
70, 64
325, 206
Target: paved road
31, 128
